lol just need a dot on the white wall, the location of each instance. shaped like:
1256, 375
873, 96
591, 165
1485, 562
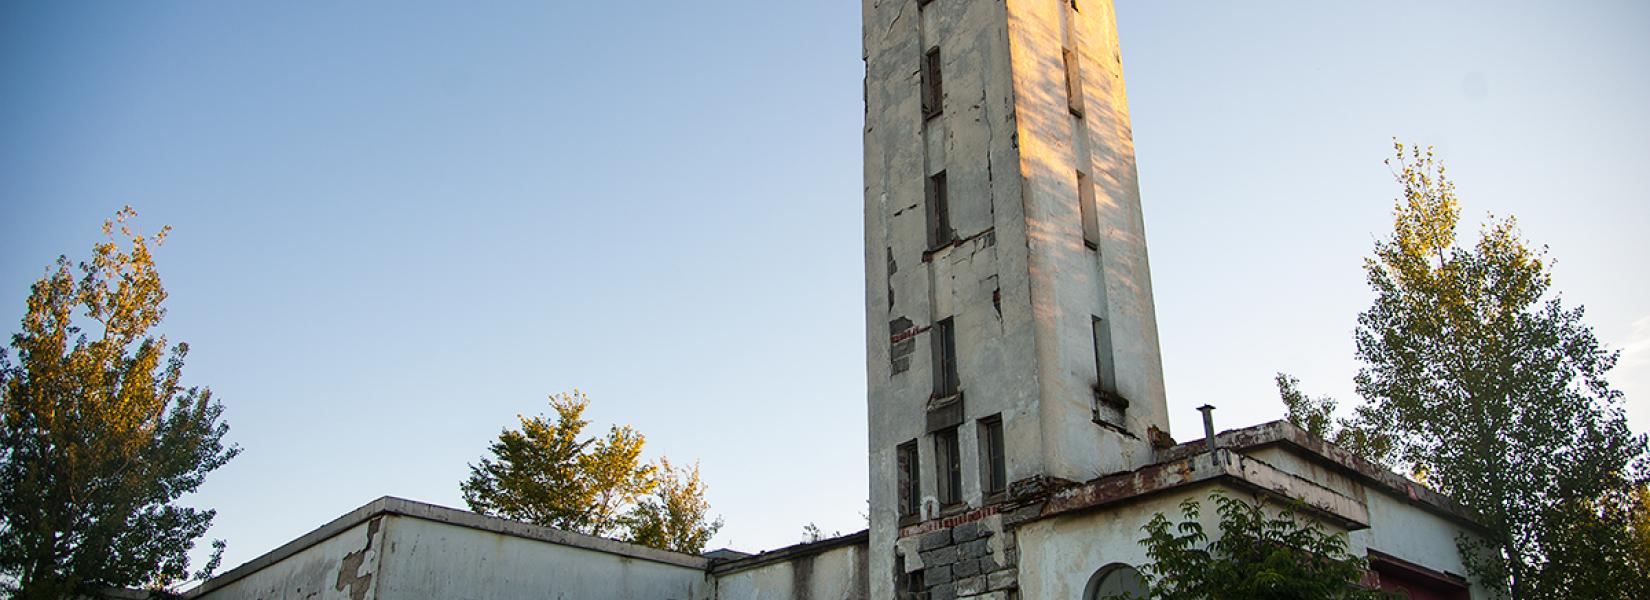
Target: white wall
437, 561
311, 573
836, 574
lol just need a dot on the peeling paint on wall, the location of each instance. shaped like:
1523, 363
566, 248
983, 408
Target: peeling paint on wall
349, 570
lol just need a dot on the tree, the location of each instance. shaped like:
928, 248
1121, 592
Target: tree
98, 437
1262, 552
545, 474
676, 516
1317, 417
1487, 387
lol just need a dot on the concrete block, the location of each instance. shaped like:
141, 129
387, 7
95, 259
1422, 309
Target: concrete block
936, 539
942, 556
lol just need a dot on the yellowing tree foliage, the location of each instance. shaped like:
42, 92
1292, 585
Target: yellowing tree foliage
98, 437
1478, 379
547, 474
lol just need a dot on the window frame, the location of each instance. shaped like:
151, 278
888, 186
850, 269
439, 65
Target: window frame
933, 84
937, 209
943, 343
948, 466
908, 480
993, 462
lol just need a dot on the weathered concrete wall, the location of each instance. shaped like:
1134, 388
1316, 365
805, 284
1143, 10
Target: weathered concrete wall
1399, 526
437, 561
980, 282
341, 567
1403, 530
1019, 282
1059, 555
1072, 283
394, 549
836, 574
1061, 551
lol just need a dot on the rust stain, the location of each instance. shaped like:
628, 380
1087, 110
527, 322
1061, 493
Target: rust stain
351, 565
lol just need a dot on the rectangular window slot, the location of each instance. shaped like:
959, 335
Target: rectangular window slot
1088, 209
944, 342
948, 465
994, 476
933, 89
909, 492
938, 203
1074, 81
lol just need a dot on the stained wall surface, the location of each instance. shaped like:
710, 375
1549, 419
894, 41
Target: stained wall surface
836, 574
1013, 270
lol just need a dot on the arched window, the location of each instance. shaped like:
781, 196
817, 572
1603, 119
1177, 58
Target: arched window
1116, 581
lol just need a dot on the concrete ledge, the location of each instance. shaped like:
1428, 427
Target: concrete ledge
1322, 452
1220, 466
389, 505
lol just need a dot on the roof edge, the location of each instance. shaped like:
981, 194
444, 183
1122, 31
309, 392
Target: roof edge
791, 552
390, 505
1322, 451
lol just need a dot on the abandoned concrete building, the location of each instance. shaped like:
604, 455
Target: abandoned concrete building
1019, 430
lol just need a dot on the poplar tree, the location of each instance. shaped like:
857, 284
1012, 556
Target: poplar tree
1479, 381
98, 436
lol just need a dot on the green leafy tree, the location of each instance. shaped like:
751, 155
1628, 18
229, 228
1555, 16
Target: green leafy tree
1317, 416
1261, 551
1482, 383
98, 437
675, 516
547, 473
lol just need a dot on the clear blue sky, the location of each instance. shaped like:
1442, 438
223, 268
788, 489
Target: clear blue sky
398, 225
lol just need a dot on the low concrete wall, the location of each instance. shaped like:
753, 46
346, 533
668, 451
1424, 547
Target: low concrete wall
394, 549
439, 561
315, 572
833, 569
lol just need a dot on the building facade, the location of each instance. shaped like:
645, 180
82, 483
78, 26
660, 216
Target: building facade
1019, 431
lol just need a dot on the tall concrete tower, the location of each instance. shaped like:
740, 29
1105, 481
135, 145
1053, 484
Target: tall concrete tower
1011, 336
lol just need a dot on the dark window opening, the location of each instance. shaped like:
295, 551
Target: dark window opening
908, 491
938, 202
907, 586
945, 359
933, 89
1117, 582
948, 461
995, 476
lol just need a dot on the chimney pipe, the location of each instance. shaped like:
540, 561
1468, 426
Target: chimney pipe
1208, 425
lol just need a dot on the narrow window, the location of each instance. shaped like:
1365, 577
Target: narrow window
991, 455
1074, 82
908, 493
933, 97
945, 359
949, 462
1104, 370
939, 211
1086, 206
